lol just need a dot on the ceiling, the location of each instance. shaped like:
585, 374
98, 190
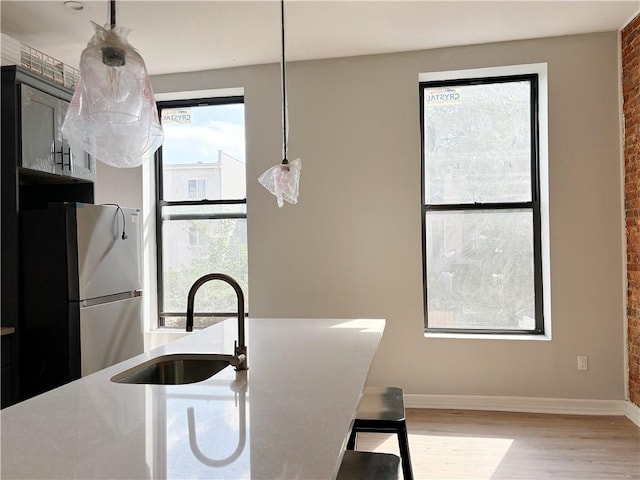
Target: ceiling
179, 36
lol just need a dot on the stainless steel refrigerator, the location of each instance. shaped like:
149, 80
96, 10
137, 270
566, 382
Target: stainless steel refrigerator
80, 292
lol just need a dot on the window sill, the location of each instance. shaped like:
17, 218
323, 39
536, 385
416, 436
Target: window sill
157, 337
166, 330
483, 336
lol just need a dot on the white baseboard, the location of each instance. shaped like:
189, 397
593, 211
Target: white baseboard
566, 406
633, 413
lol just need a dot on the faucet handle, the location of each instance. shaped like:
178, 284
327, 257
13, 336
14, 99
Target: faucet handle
240, 354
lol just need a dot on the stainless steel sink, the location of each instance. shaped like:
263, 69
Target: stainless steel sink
175, 369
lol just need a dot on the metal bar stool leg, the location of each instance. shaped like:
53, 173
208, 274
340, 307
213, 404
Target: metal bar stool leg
403, 443
353, 438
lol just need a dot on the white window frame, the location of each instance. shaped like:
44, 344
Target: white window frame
543, 172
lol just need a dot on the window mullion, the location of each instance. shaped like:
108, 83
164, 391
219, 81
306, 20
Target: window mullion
237, 201
479, 206
204, 216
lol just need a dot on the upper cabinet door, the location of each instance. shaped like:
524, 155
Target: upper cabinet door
41, 131
43, 146
78, 164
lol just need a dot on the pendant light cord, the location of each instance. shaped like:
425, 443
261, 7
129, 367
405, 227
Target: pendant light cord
112, 13
285, 161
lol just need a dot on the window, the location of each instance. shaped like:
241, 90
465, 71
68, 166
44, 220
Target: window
194, 236
197, 188
201, 208
481, 217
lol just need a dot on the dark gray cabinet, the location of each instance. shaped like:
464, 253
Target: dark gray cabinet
8, 354
36, 169
44, 147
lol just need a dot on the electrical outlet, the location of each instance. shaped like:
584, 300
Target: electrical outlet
583, 362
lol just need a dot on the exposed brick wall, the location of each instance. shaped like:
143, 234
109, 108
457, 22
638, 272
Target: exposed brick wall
631, 107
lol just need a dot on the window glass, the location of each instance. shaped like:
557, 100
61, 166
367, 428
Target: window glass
480, 270
203, 153
477, 143
221, 247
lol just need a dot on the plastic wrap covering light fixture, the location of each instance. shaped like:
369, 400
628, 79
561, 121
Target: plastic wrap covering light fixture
283, 180
113, 114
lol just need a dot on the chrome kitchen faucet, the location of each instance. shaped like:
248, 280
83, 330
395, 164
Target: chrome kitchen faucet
239, 357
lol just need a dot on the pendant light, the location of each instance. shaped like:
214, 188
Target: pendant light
283, 180
113, 115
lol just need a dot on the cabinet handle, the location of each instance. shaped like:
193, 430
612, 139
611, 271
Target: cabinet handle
62, 155
68, 154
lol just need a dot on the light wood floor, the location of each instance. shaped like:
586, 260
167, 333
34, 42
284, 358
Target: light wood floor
456, 445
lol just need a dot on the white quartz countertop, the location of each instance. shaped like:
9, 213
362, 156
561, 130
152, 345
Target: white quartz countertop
287, 417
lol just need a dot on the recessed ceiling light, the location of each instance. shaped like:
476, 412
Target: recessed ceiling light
73, 5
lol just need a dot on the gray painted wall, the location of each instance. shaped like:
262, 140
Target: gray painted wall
352, 245
118, 185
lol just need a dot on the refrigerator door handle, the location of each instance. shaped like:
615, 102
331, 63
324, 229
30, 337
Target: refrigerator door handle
110, 298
